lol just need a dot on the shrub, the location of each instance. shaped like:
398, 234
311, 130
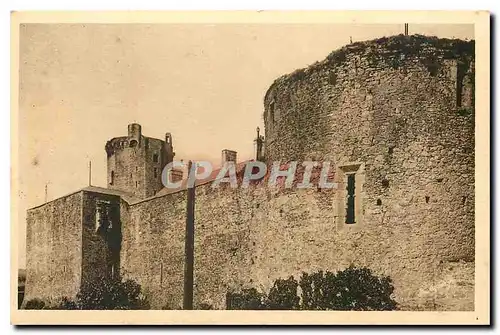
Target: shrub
359, 290
247, 299
100, 294
317, 290
351, 289
464, 111
106, 293
205, 306
34, 304
168, 307
283, 294
66, 303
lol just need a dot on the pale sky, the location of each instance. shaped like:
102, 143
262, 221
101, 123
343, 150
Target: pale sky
81, 84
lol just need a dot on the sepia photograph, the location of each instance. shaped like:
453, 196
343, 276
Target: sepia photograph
250, 168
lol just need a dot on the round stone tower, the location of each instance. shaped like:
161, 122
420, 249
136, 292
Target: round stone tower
395, 116
135, 162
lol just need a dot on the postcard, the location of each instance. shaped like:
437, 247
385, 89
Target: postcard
250, 168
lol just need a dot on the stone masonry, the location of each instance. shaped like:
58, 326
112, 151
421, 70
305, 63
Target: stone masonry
394, 116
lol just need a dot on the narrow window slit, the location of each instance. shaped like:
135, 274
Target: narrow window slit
350, 214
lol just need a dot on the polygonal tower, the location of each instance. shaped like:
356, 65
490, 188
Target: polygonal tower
135, 162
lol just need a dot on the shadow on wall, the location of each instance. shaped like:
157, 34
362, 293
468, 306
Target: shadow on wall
21, 282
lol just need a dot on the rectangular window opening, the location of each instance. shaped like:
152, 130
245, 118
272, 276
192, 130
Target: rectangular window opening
102, 215
350, 210
271, 111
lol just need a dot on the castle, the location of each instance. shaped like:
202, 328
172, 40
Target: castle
394, 115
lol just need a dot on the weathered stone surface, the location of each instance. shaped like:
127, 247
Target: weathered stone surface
403, 107
101, 235
153, 247
54, 253
397, 113
135, 162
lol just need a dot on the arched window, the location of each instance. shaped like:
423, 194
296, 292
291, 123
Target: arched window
155, 158
112, 179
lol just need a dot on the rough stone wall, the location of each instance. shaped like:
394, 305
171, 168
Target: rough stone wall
136, 169
398, 113
249, 238
101, 237
127, 164
297, 231
153, 246
153, 169
54, 233
223, 248
152, 250
403, 108
368, 82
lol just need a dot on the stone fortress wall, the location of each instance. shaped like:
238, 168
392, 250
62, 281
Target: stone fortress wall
53, 249
400, 110
395, 117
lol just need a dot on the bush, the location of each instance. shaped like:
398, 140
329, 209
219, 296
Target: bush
283, 294
106, 293
205, 306
247, 299
359, 290
351, 289
100, 294
34, 304
66, 303
169, 307
317, 290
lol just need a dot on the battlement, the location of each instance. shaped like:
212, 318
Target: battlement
132, 140
117, 143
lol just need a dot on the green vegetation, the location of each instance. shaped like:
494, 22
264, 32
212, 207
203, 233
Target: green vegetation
105, 293
100, 294
351, 289
34, 304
